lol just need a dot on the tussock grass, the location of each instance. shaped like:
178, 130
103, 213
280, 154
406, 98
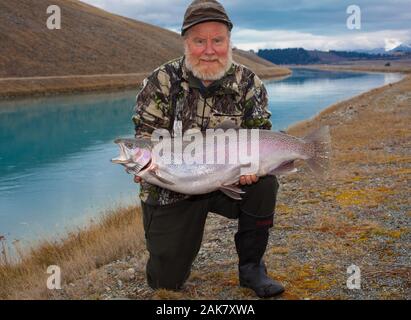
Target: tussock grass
119, 233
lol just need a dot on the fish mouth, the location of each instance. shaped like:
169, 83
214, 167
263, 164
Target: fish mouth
122, 158
120, 161
138, 161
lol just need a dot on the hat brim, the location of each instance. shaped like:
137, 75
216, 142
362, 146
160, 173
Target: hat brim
227, 23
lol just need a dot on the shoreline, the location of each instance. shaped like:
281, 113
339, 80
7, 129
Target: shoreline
33, 87
12, 88
404, 69
338, 212
331, 108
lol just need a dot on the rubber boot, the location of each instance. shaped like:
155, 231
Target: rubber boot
251, 245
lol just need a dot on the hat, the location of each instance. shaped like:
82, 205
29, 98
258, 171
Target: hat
205, 10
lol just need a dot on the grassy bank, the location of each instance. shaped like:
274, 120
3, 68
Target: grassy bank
117, 235
360, 215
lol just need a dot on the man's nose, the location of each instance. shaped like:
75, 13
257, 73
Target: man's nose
209, 48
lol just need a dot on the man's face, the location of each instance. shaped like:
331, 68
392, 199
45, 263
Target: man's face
208, 50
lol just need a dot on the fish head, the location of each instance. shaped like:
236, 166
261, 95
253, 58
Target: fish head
133, 154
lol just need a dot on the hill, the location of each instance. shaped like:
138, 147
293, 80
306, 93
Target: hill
91, 41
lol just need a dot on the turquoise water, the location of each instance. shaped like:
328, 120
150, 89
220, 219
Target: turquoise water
55, 172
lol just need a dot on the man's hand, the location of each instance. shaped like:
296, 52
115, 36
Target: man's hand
137, 179
250, 179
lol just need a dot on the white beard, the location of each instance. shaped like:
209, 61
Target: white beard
208, 76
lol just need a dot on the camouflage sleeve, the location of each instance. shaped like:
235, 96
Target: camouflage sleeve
152, 105
256, 114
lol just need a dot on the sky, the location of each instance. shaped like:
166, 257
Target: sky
310, 24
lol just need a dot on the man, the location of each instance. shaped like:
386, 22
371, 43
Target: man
200, 90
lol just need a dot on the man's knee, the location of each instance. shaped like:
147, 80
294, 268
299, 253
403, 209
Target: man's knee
173, 239
169, 275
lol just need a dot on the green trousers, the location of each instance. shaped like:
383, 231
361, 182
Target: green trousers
174, 232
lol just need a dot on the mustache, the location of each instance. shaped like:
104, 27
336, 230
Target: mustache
210, 59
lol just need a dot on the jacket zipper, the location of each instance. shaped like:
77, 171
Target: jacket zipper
202, 118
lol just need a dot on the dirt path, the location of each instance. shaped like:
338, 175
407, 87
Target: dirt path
88, 76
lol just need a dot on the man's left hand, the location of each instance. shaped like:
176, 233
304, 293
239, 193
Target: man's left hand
249, 179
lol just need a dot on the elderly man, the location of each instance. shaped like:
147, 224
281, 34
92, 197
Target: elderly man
203, 88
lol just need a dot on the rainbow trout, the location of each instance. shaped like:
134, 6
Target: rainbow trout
205, 162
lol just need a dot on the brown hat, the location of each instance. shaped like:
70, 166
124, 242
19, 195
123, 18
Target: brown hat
205, 10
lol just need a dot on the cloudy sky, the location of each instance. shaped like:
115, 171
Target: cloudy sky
310, 24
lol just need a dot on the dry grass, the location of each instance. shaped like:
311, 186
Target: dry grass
356, 216
119, 233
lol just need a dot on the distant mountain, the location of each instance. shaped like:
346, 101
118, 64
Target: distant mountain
372, 51
402, 48
90, 41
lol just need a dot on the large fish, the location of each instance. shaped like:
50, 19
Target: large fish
277, 153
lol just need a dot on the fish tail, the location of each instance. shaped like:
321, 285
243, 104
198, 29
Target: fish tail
318, 144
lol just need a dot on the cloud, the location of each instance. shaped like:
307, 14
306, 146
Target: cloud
286, 23
163, 13
303, 15
319, 17
256, 39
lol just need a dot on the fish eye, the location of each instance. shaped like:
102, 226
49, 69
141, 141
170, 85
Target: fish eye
129, 145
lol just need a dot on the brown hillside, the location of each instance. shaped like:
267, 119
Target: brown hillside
91, 41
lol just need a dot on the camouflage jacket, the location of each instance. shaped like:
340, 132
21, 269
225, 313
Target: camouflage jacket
171, 96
